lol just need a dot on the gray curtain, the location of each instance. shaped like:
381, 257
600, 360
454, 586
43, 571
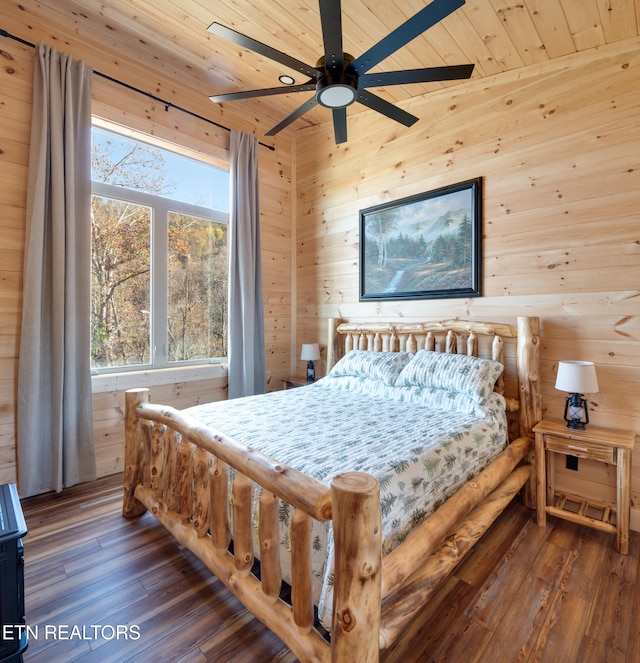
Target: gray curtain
247, 374
55, 428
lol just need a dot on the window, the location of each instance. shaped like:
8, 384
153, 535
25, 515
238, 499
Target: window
159, 255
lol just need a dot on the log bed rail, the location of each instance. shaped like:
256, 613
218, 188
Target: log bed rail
178, 469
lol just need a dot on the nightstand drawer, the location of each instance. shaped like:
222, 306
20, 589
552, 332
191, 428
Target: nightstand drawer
593, 450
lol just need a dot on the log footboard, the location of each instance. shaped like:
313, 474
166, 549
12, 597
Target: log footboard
178, 470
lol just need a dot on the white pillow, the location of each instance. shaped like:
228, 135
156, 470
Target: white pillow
472, 377
379, 366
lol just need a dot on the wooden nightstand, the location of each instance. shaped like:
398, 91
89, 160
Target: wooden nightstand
292, 382
601, 444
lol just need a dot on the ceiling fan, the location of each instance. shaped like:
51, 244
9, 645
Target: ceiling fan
338, 79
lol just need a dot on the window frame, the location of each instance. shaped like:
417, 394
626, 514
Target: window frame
161, 207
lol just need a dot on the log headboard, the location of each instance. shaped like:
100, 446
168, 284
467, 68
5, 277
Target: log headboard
519, 384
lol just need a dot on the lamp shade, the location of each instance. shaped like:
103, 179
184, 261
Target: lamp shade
577, 377
310, 352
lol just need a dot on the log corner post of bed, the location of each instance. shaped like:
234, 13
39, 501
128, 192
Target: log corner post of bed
357, 528
334, 351
530, 412
133, 453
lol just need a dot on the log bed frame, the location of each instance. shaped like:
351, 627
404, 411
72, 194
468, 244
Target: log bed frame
178, 468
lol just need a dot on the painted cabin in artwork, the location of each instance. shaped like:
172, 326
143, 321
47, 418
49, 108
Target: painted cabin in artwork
555, 140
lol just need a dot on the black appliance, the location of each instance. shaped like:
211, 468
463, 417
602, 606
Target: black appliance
13, 639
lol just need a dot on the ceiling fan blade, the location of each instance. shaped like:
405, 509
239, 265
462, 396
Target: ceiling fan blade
409, 30
331, 20
378, 104
299, 112
248, 94
258, 47
340, 125
428, 75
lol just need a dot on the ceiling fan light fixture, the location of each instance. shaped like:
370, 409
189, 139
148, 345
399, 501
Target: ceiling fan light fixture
336, 91
286, 80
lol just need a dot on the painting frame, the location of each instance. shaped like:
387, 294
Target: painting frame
425, 246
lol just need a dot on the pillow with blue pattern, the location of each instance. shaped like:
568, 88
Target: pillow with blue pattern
473, 377
379, 366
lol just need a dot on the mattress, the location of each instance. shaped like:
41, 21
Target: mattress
420, 442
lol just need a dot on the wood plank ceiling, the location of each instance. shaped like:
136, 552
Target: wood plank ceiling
171, 36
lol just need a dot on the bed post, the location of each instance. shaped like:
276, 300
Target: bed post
357, 529
530, 396
333, 343
132, 507
528, 374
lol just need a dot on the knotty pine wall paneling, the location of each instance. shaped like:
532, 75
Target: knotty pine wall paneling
116, 104
16, 73
558, 148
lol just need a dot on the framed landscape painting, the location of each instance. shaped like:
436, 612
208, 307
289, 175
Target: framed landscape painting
426, 246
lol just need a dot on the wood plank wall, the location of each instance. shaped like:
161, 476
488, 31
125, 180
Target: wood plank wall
558, 147
115, 103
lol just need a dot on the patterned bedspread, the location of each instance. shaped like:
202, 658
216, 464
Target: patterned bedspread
420, 454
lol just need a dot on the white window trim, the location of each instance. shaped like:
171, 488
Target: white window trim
161, 207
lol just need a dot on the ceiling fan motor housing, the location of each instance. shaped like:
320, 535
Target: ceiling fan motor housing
336, 87
336, 90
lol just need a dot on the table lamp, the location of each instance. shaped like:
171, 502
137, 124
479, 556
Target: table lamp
576, 378
310, 352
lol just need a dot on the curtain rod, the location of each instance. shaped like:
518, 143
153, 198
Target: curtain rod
164, 102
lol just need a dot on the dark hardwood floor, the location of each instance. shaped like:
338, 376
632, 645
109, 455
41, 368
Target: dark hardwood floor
103, 588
